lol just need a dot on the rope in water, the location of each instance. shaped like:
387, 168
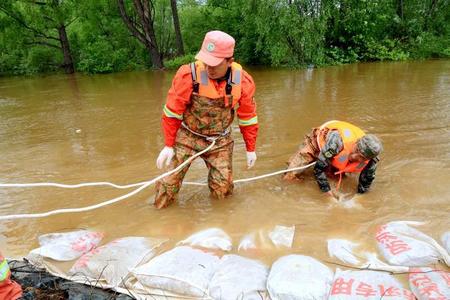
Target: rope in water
140, 185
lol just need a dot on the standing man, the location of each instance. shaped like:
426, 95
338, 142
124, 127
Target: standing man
338, 147
200, 105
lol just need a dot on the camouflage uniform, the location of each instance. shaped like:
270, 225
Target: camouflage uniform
310, 152
210, 117
306, 154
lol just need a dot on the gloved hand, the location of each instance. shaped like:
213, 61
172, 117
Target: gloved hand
251, 159
166, 156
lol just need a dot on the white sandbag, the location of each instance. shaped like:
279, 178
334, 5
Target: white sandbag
212, 238
343, 250
67, 245
445, 238
238, 277
403, 245
373, 263
112, 262
247, 242
299, 277
282, 235
182, 270
429, 284
367, 285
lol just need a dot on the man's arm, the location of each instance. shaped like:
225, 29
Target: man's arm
332, 147
178, 98
367, 176
246, 112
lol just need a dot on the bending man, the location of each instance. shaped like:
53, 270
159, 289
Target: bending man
338, 147
201, 104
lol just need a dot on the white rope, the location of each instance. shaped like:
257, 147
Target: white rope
142, 185
118, 186
92, 207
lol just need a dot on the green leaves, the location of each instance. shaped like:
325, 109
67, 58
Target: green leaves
267, 32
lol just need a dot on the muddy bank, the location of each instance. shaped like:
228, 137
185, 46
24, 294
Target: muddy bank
39, 284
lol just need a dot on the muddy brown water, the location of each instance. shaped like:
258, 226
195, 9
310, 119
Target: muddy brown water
73, 129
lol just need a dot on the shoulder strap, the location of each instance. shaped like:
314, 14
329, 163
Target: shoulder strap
229, 87
195, 84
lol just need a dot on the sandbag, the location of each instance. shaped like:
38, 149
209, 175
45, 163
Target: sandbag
67, 245
403, 245
183, 270
367, 285
343, 250
212, 238
247, 242
282, 236
238, 277
299, 277
429, 284
445, 238
112, 262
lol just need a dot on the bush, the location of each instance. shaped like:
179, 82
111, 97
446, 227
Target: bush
101, 57
427, 45
176, 62
384, 50
43, 59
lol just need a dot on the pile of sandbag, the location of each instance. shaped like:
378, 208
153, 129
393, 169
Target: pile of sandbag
201, 267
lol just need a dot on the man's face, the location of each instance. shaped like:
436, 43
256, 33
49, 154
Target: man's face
220, 70
356, 156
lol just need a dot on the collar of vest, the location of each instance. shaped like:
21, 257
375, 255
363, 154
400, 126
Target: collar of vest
202, 83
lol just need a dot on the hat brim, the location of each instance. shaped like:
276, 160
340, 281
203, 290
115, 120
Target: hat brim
208, 59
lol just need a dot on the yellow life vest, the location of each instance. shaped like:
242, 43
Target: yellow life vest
350, 135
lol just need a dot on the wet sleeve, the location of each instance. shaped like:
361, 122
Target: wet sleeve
178, 98
367, 176
332, 147
246, 112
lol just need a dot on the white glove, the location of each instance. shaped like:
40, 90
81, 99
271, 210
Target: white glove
251, 159
165, 155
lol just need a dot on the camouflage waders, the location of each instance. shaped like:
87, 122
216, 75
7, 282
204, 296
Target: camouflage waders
306, 154
210, 117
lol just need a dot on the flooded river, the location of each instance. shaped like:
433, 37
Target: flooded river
73, 129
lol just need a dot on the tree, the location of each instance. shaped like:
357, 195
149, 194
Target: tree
176, 25
140, 22
47, 21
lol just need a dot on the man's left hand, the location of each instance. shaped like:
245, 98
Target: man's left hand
251, 159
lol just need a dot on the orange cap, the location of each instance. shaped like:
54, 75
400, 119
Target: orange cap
216, 46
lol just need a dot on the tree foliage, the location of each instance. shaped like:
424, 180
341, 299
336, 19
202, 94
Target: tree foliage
115, 35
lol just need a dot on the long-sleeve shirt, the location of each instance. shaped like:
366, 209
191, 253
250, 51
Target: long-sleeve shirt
332, 147
179, 97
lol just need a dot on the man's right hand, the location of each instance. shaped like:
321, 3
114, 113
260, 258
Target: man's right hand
165, 156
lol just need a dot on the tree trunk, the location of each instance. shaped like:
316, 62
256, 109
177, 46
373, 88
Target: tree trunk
400, 9
65, 46
176, 25
142, 28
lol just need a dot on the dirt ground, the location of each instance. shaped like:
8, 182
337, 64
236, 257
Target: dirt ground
39, 284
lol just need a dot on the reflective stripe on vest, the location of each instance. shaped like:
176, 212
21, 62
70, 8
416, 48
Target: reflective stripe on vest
251, 121
349, 134
4, 270
206, 85
171, 114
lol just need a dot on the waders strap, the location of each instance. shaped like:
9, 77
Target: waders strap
208, 137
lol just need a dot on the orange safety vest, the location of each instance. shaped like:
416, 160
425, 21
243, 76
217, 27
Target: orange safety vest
350, 135
204, 86
8, 289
